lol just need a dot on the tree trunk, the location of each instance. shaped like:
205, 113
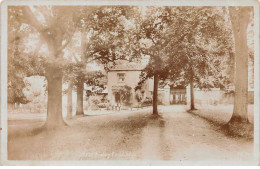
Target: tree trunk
192, 105
69, 101
80, 87
240, 20
155, 94
54, 104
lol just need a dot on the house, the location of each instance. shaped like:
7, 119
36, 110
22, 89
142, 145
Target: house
122, 80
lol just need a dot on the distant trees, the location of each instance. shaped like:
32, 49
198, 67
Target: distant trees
16, 82
78, 73
21, 61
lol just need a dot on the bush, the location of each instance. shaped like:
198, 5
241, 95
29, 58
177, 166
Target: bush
95, 101
148, 101
102, 105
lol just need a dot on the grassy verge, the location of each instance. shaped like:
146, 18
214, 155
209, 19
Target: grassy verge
220, 116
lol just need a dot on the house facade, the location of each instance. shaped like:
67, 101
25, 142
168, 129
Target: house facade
121, 84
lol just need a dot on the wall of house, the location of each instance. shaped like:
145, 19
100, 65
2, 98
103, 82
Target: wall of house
131, 79
164, 95
148, 88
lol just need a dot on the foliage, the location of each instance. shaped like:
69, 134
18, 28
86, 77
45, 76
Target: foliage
21, 63
125, 94
139, 95
148, 101
77, 73
112, 36
206, 41
184, 42
96, 101
153, 39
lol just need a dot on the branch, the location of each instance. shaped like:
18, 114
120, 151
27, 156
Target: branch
17, 36
94, 52
146, 53
38, 47
180, 39
76, 58
70, 35
66, 44
30, 19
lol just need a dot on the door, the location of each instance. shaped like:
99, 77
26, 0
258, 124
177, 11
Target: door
117, 98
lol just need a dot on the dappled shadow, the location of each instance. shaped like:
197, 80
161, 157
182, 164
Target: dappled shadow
238, 129
129, 124
35, 130
234, 129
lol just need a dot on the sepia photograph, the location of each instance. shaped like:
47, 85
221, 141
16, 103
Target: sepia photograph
114, 83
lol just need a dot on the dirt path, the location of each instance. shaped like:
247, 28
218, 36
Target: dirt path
177, 135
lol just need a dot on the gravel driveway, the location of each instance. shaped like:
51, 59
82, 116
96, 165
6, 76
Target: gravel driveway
176, 135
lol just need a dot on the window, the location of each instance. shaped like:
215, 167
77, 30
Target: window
121, 77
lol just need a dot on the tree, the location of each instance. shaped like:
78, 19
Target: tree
102, 41
21, 63
69, 100
15, 79
203, 44
240, 18
153, 39
54, 27
105, 25
186, 43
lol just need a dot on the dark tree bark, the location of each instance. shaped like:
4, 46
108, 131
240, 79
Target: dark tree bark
69, 101
155, 94
192, 104
54, 104
80, 89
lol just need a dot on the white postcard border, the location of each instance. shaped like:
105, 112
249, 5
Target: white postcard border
3, 77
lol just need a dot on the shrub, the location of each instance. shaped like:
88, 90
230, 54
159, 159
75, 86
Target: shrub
147, 101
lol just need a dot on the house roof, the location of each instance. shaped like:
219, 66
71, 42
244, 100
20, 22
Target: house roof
127, 67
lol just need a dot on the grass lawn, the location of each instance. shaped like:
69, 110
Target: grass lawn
221, 113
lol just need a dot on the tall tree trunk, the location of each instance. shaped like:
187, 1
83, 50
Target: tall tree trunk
155, 94
54, 104
80, 85
192, 105
80, 89
240, 20
69, 101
